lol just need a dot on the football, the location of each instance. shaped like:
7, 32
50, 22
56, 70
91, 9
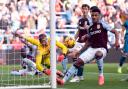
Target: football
69, 42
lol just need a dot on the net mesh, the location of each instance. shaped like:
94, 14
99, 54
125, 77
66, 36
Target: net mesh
11, 60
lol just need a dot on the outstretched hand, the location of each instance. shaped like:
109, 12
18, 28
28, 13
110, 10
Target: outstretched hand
16, 34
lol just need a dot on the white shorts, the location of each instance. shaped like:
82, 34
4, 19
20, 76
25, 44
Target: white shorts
89, 54
77, 46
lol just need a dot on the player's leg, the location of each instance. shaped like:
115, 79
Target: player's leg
78, 76
81, 69
99, 56
124, 55
99, 60
19, 72
80, 73
64, 65
30, 63
121, 62
85, 57
73, 69
31, 66
72, 56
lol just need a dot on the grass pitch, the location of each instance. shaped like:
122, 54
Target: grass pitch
112, 78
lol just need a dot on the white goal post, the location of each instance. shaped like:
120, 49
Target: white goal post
53, 43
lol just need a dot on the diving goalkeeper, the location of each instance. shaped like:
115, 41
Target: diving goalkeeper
43, 52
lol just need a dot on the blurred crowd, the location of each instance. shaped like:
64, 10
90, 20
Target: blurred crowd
29, 15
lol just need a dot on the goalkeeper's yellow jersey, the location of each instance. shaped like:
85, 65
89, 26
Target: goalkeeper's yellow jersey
45, 51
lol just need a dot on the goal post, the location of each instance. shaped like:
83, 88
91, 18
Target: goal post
53, 43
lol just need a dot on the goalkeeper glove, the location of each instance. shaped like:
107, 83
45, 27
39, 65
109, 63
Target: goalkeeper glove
61, 57
47, 72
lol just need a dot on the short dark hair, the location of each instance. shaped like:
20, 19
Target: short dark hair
93, 7
96, 10
85, 5
42, 36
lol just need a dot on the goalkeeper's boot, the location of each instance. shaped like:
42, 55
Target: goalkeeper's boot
60, 81
101, 80
59, 73
47, 72
119, 70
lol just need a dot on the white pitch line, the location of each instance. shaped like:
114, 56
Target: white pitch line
104, 73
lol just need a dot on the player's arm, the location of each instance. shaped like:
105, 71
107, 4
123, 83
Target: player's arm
29, 39
26, 43
38, 61
32, 40
123, 19
122, 34
117, 38
63, 53
109, 28
62, 47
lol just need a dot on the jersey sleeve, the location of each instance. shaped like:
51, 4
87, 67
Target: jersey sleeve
62, 46
32, 41
106, 26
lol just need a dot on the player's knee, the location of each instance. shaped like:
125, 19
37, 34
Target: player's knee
79, 63
98, 55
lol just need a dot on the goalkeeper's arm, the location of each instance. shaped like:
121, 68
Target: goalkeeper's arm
17, 35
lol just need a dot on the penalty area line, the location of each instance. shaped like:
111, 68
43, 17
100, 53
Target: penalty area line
105, 73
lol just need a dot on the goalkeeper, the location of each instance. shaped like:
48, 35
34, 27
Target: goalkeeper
43, 52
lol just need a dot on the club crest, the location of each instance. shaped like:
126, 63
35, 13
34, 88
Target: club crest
98, 26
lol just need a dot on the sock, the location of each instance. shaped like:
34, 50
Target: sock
122, 60
100, 66
69, 73
80, 71
64, 65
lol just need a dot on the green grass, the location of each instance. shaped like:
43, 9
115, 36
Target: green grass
112, 78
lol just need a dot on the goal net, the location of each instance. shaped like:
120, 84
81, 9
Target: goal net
13, 72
